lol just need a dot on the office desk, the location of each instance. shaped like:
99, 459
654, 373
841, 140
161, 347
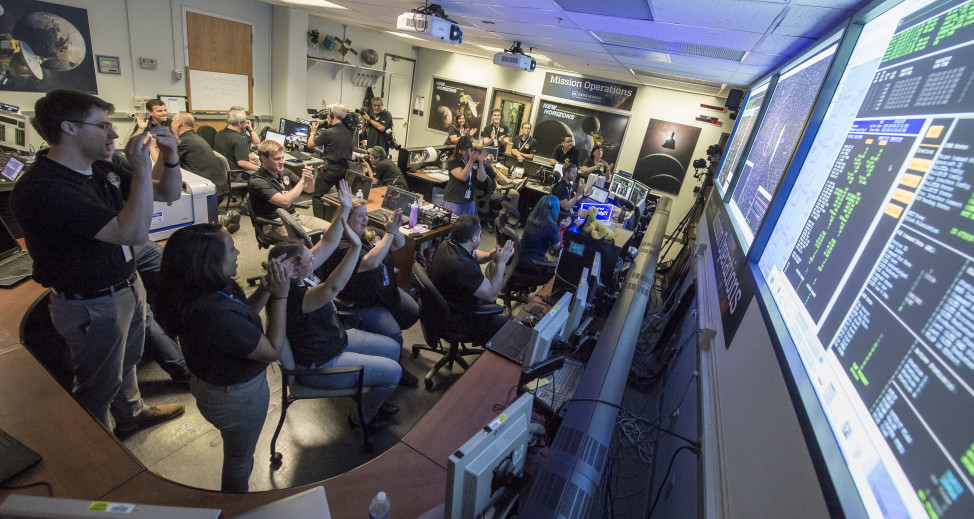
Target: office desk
404, 256
83, 461
421, 182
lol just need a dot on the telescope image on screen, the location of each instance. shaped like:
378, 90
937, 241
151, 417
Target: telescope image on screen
871, 267
775, 141
742, 130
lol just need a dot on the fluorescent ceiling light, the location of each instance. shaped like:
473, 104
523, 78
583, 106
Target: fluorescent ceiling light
315, 3
404, 35
488, 48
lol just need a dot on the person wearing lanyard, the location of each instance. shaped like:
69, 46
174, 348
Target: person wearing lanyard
495, 133
372, 292
524, 145
569, 192
220, 330
466, 169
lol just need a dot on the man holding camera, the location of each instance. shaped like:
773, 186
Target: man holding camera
375, 125
337, 142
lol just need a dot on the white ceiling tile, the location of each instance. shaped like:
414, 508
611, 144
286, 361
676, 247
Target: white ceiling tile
809, 22
785, 45
737, 15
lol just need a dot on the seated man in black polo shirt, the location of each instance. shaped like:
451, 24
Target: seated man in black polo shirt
273, 186
569, 192
233, 142
524, 145
383, 170
566, 152
455, 271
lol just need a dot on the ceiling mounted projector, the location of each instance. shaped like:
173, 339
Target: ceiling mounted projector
515, 58
430, 22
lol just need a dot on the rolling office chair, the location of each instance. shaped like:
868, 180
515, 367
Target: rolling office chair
208, 133
293, 390
519, 285
263, 240
232, 183
39, 337
440, 323
295, 231
482, 198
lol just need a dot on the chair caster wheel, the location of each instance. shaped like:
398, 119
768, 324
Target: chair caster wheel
415, 352
429, 384
276, 460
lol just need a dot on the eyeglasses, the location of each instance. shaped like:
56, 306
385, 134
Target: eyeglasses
107, 127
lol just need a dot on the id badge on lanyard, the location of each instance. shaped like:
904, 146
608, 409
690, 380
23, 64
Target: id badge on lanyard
385, 275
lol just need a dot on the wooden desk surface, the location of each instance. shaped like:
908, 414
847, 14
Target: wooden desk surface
465, 408
427, 177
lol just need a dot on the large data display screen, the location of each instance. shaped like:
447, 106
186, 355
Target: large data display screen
745, 124
775, 141
871, 263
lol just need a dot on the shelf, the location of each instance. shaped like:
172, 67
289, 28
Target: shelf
367, 76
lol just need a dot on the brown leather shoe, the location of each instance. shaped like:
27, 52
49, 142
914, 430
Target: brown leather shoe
151, 416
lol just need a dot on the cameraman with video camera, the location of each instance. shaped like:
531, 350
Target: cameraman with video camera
377, 125
336, 140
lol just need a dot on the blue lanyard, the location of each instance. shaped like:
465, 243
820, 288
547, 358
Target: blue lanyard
230, 297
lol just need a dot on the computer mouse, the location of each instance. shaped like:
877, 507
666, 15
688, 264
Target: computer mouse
536, 429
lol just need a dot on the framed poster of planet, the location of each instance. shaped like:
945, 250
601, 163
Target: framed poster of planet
451, 97
45, 46
665, 156
556, 120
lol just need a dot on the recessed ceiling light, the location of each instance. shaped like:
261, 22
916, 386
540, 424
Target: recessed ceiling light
315, 3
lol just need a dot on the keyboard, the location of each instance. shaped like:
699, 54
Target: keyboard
14, 456
550, 397
300, 155
380, 214
512, 341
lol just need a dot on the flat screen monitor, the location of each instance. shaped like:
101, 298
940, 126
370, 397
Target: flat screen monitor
548, 328
578, 306
621, 187
396, 198
603, 212
599, 195
15, 131
358, 181
295, 132
276, 137
479, 472
870, 268
746, 120
492, 151
775, 141
639, 193
320, 148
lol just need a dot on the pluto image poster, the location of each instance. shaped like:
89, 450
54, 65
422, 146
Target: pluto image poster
666, 155
556, 120
450, 97
45, 46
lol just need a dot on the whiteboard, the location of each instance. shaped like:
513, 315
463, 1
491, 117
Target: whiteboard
217, 91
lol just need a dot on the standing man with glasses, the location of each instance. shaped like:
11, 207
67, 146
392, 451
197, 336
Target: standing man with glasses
82, 215
375, 125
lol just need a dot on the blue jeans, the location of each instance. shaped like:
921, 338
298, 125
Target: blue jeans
238, 412
390, 321
105, 337
460, 209
378, 354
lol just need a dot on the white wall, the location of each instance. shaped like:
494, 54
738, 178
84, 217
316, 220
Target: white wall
650, 103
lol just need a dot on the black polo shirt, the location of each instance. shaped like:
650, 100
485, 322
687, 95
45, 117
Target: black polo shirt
221, 332
456, 275
456, 189
374, 137
499, 131
527, 146
60, 211
559, 155
233, 145
564, 190
337, 143
389, 174
197, 156
263, 186
316, 337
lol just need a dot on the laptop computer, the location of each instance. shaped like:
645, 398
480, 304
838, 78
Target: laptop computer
15, 263
15, 457
394, 198
358, 181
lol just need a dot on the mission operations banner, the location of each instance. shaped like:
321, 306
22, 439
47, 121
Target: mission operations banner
734, 287
594, 91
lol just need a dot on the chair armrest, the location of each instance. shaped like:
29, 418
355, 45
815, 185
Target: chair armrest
350, 319
302, 205
485, 310
545, 263
268, 221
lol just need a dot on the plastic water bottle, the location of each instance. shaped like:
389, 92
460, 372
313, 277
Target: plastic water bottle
443, 164
380, 507
358, 194
413, 214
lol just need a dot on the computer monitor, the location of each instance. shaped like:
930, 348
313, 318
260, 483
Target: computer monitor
595, 274
639, 193
492, 151
548, 328
358, 181
274, 136
295, 132
15, 131
578, 306
599, 195
621, 187
603, 212
396, 198
320, 148
479, 471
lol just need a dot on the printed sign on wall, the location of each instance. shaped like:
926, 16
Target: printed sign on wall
595, 91
451, 98
556, 120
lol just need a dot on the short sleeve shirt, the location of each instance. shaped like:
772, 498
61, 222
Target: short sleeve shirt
527, 146
456, 275
337, 142
221, 333
460, 191
564, 190
60, 211
316, 337
535, 243
389, 174
560, 156
376, 138
600, 170
233, 145
197, 156
375, 287
499, 131
263, 186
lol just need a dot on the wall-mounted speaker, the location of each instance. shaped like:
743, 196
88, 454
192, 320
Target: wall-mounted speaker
734, 99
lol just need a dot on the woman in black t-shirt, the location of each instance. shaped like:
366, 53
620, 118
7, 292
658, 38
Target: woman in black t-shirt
222, 338
595, 164
459, 129
466, 170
